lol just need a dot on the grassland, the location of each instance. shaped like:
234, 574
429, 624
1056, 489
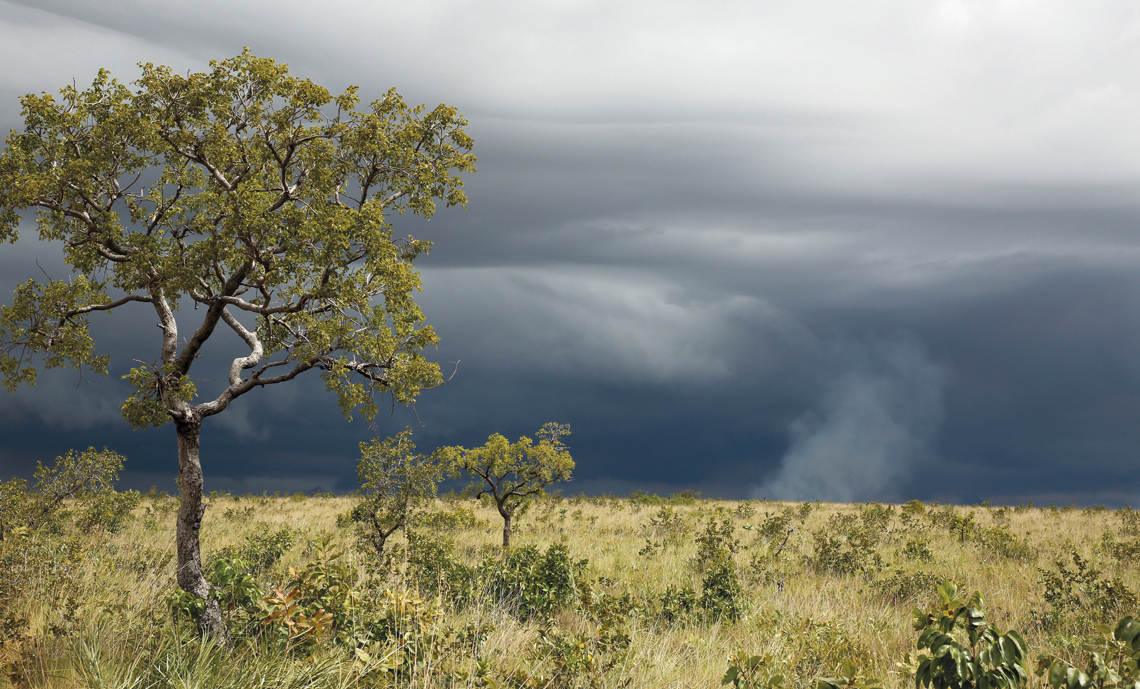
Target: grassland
815, 584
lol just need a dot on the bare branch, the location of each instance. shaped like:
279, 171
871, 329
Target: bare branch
104, 307
241, 363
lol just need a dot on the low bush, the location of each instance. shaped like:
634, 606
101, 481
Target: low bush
846, 545
999, 541
531, 583
722, 597
917, 549
1112, 660
448, 521
260, 549
1126, 552
906, 587
752, 672
433, 567
678, 604
1079, 593
668, 526
714, 543
988, 659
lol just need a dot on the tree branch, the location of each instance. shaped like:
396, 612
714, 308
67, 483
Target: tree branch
241, 363
103, 307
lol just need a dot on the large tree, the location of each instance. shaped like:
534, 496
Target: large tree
241, 196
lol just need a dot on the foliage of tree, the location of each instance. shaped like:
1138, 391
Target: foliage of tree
513, 473
395, 480
241, 196
87, 479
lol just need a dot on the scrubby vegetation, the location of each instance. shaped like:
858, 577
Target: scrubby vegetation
595, 592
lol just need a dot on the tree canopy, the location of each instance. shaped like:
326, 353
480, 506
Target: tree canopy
512, 473
242, 190
394, 481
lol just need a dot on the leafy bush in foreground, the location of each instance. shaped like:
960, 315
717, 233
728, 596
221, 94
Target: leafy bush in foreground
988, 659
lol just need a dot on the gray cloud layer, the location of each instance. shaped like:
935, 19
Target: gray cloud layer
697, 233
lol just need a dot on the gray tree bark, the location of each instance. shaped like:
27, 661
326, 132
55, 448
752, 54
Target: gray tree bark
506, 527
190, 512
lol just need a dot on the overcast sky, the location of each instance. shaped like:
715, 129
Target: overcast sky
798, 249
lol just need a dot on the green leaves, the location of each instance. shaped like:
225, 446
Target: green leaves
988, 659
850, 677
244, 190
1113, 658
49, 319
512, 473
87, 478
394, 481
752, 672
516, 470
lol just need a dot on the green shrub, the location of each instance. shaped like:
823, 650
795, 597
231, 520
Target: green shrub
714, 542
1079, 593
240, 515
846, 545
260, 549
776, 527
914, 508
721, 594
962, 526
825, 646
669, 526
678, 604
87, 478
989, 659
237, 593
1124, 551
917, 550
685, 497
876, 517
433, 566
15, 507
579, 659
530, 583
902, 587
849, 677
744, 510
1129, 521
448, 521
1001, 542
752, 672
108, 510
403, 633
317, 602
942, 517
1112, 660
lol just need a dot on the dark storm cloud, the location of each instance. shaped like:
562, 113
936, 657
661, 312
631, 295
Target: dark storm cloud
805, 248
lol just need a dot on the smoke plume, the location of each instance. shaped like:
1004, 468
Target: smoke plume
872, 424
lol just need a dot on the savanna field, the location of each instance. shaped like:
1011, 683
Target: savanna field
594, 592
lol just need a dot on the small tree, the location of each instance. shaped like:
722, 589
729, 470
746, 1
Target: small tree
258, 199
394, 481
86, 477
513, 473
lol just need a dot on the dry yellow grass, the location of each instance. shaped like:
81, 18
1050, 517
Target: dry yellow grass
797, 613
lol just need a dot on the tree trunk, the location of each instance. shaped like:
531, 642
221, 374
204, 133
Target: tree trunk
506, 528
190, 512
